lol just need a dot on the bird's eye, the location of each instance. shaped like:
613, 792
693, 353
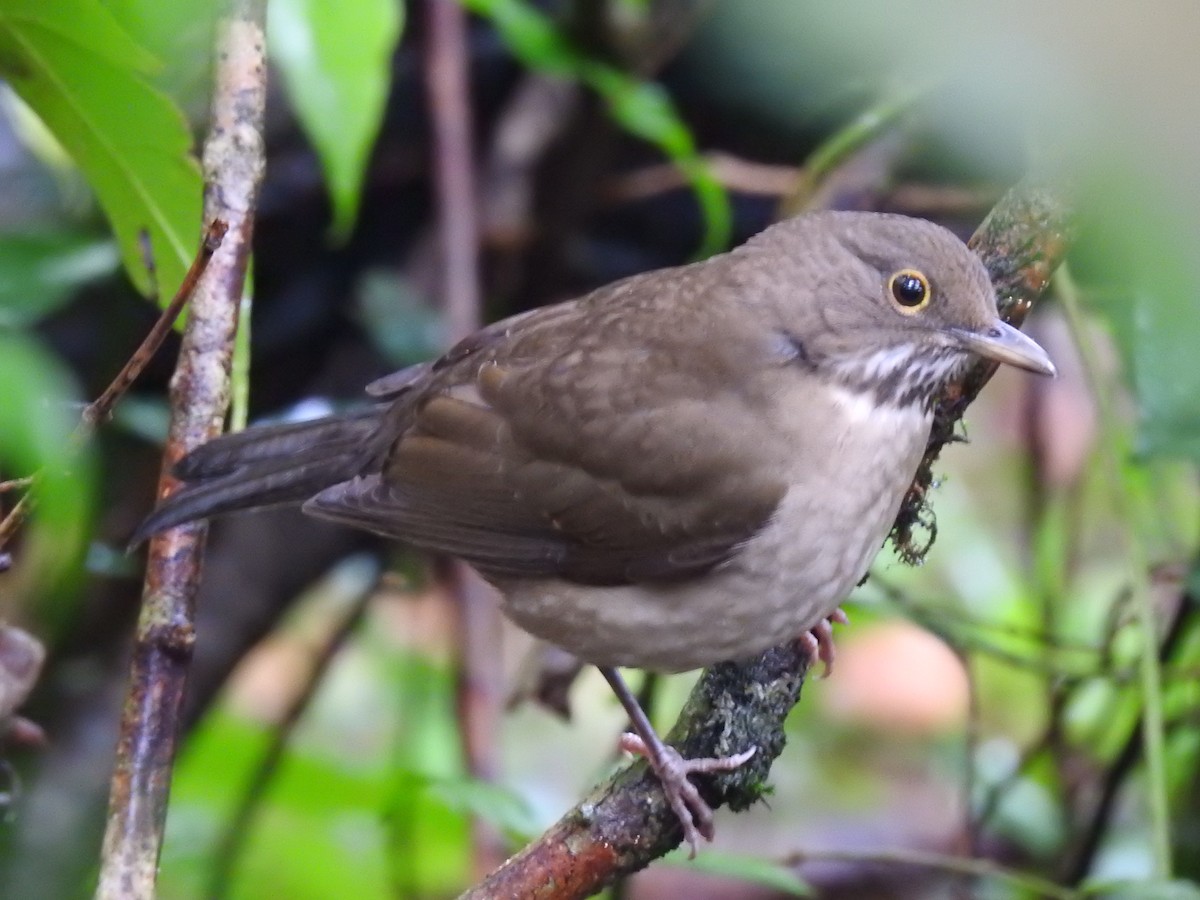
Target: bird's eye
910, 290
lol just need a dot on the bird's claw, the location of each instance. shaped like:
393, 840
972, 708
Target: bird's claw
819, 641
694, 814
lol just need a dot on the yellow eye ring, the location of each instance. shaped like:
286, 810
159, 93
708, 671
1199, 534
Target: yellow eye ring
910, 291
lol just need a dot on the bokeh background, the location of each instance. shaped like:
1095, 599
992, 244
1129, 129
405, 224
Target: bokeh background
987, 704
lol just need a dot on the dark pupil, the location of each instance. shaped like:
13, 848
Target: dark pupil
908, 290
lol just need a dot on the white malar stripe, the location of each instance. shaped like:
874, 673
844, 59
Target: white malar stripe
881, 364
861, 407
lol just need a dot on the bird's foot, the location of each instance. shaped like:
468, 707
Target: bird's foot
694, 814
819, 641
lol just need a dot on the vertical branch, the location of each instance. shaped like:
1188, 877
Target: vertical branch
453, 165
233, 165
477, 620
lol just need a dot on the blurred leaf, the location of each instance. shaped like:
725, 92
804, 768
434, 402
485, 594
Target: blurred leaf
428, 842
642, 108
495, 804
36, 420
180, 34
746, 868
316, 833
336, 64
38, 274
87, 79
335, 854
144, 416
404, 327
1143, 890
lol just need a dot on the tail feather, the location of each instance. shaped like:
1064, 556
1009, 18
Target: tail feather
270, 466
231, 452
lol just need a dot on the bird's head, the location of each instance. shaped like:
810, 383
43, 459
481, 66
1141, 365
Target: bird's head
892, 305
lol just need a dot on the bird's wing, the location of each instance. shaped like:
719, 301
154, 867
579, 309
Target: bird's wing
554, 458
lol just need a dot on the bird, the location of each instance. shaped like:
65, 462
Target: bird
683, 467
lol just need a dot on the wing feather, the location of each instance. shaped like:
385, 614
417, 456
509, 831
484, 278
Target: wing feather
536, 448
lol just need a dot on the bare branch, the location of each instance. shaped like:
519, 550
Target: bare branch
101, 408
233, 163
477, 617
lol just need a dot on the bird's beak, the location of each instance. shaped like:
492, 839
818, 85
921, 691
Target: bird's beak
1003, 343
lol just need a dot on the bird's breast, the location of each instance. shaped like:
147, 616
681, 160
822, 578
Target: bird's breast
848, 463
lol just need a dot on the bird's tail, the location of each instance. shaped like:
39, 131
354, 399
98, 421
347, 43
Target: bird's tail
275, 465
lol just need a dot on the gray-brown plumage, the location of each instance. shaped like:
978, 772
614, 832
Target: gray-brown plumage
686, 466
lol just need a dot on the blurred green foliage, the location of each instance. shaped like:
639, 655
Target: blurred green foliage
640, 107
1144, 278
40, 273
1027, 581
335, 59
378, 805
37, 416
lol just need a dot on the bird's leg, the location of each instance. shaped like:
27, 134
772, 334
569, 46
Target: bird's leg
819, 641
694, 814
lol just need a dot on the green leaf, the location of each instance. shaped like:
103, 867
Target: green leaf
642, 108
180, 34
336, 64
74, 65
495, 804
746, 868
39, 273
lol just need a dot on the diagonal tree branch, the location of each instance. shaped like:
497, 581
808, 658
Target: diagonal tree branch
626, 823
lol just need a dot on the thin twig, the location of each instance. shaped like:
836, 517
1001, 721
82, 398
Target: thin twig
233, 841
16, 515
944, 609
15, 484
101, 408
479, 675
942, 625
233, 163
732, 172
942, 862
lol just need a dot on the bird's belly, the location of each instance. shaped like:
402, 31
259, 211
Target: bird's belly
778, 585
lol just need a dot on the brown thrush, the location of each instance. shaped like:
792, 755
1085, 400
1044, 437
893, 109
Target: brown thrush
684, 467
